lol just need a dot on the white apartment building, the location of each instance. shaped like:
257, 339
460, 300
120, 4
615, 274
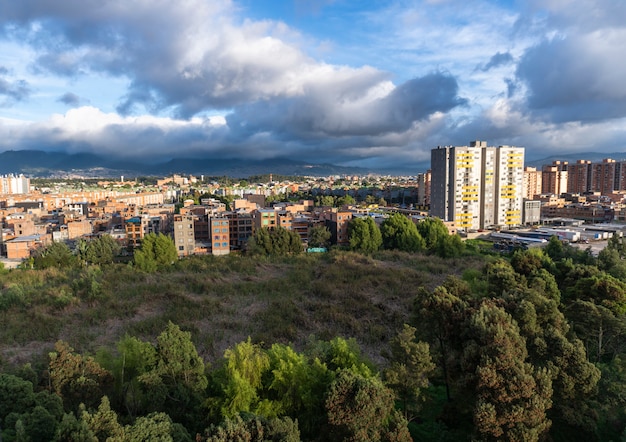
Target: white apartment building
477, 186
14, 184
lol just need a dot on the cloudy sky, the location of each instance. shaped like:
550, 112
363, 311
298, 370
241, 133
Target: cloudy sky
352, 82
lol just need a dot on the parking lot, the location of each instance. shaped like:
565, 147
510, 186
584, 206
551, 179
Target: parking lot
595, 246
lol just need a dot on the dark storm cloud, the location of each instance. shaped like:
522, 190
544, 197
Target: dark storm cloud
319, 115
499, 59
577, 78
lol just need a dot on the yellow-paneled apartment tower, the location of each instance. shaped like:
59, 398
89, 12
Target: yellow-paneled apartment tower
477, 186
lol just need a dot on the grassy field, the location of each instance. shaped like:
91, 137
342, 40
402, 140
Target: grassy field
221, 300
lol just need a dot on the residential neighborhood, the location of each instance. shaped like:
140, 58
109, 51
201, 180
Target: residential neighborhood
471, 188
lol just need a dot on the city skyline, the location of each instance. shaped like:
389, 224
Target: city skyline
350, 83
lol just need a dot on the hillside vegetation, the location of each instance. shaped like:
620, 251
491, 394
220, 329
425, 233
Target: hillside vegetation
221, 300
386, 346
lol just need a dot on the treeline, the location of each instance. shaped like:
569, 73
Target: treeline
396, 232
165, 391
531, 348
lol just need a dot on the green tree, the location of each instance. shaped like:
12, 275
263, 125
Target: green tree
277, 242
612, 390
554, 348
177, 381
364, 235
400, 233
103, 424
16, 395
346, 200
34, 425
618, 244
526, 262
450, 246
254, 429
501, 278
155, 426
599, 328
156, 252
241, 379
555, 248
285, 242
71, 429
361, 409
433, 230
76, 378
260, 243
408, 373
135, 358
297, 386
325, 201
101, 250
22, 411
341, 354
319, 236
441, 316
511, 396
57, 254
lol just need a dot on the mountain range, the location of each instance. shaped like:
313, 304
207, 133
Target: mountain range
39, 163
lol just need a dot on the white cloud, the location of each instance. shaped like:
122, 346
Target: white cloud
414, 75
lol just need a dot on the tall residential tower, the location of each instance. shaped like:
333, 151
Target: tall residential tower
477, 186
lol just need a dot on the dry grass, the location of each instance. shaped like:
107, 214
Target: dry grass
221, 301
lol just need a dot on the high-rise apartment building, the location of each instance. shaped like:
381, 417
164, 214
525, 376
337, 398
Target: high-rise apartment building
579, 177
608, 176
532, 182
14, 184
423, 188
477, 186
554, 178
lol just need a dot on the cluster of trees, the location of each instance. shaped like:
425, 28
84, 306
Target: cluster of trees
334, 201
165, 391
339, 201
398, 232
156, 252
530, 348
277, 241
98, 251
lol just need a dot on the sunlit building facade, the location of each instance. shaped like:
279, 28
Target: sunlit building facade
477, 186
14, 184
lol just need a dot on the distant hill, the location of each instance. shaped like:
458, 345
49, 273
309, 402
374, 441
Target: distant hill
42, 164
573, 157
